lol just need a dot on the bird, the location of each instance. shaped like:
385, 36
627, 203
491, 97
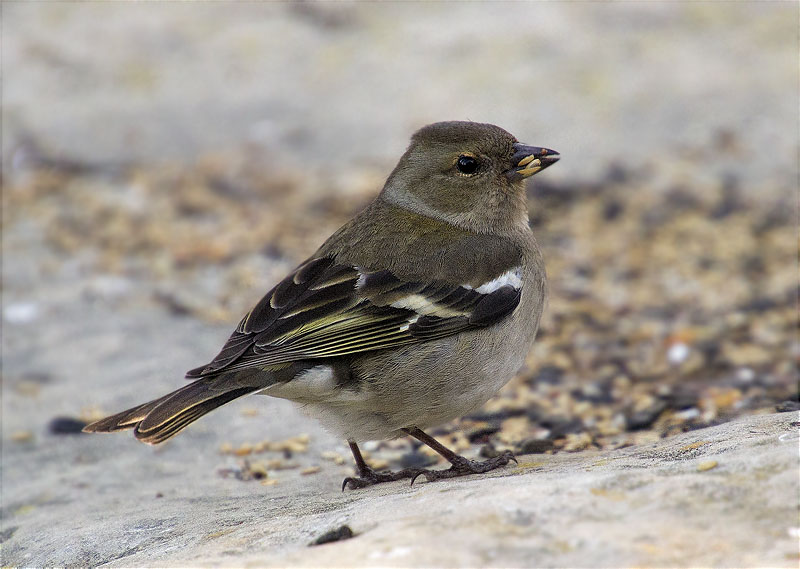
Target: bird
414, 313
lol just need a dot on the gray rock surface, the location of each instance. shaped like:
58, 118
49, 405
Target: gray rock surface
723, 496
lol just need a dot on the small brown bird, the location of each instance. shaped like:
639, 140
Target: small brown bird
415, 312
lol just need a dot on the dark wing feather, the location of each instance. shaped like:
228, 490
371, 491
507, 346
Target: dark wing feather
494, 306
325, 310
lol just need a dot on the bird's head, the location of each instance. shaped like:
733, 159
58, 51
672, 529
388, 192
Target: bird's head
468, 174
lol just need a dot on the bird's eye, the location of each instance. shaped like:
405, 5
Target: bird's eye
467, 165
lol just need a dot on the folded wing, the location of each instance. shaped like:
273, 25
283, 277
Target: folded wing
324, 310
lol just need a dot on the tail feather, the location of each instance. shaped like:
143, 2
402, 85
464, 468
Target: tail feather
179, 411
158, 420
127, 419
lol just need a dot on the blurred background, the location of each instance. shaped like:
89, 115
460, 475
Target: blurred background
164, 164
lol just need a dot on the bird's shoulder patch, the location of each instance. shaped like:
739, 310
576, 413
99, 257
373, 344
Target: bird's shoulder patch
512, 278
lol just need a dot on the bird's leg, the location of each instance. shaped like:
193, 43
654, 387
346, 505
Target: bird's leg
367, 476
461, 466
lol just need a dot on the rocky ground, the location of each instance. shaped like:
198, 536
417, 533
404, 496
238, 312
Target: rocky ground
648, 417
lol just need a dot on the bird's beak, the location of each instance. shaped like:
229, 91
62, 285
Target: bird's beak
528, 160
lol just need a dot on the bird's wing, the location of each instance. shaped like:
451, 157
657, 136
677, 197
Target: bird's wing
324, 309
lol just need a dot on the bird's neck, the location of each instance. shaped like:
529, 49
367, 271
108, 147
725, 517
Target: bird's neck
499, 214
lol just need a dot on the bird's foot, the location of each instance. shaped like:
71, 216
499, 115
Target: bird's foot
368, 477
463, 466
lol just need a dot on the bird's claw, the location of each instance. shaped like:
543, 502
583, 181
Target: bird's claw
465, 466
370, 477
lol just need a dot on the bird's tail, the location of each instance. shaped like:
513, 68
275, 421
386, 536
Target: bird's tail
158, 420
